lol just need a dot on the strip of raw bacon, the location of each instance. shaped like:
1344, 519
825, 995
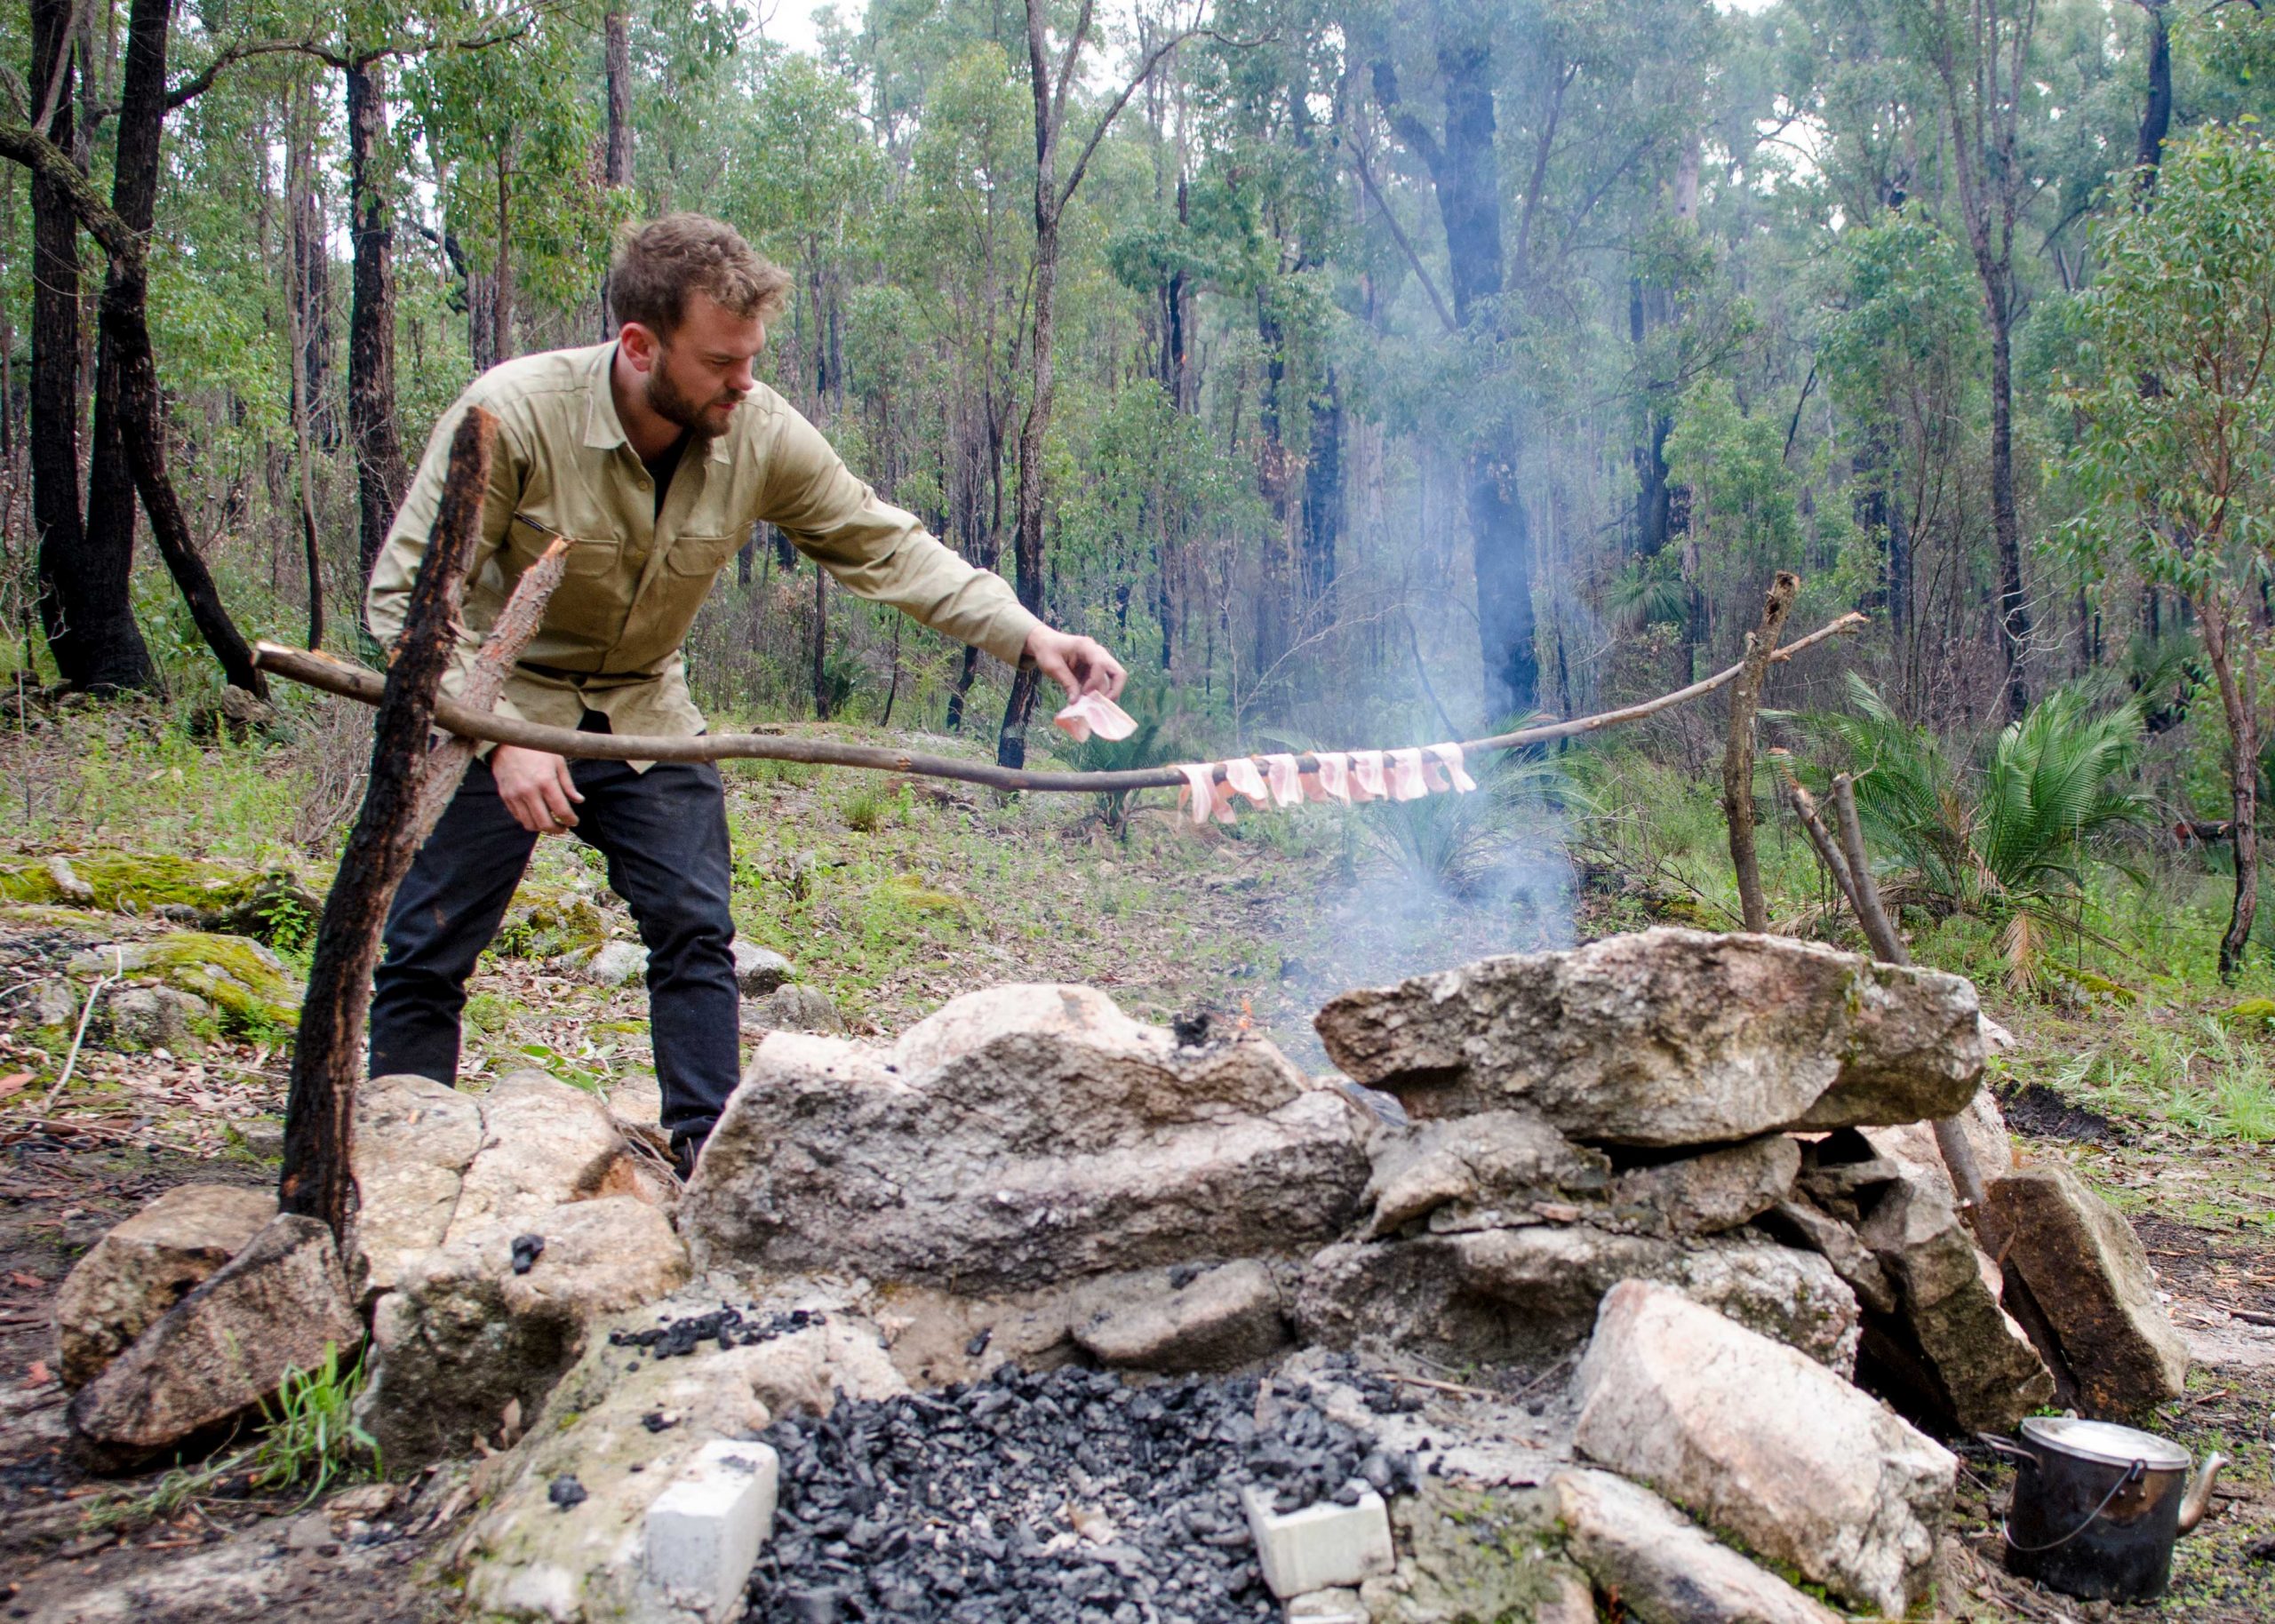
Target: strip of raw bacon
1199, 795
1333, 780
1287, 783
1449, 756
1367, 775
1241, 774
1095, 713
1406, 783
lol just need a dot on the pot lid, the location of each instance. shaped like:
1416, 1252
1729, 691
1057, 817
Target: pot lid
2106, 1442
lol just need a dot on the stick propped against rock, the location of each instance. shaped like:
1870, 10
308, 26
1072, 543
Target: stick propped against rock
329, 1053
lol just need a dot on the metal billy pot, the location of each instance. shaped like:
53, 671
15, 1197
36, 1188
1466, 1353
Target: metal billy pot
2098, 1507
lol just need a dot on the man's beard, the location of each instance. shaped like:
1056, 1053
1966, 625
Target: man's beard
669, 402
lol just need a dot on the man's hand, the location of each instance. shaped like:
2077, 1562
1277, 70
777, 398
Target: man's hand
536, 788
1079, 664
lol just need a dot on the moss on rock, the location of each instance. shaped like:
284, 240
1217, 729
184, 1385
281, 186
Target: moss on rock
547, 922
247, 984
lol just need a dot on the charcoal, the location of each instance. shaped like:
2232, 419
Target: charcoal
527, 1250
725, 1324
566, 1492
1061, 1497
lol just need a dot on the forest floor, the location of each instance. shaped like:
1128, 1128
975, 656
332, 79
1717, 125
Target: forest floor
893, 897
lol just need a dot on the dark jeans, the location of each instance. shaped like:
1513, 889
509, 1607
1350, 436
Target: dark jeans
664, 832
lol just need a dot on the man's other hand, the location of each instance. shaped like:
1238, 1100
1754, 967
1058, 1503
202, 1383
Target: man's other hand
1079, 664
536, 788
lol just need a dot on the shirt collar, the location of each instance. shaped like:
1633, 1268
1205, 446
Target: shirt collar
604, 430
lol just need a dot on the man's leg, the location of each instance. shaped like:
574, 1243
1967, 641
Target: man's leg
664, 832
446, 913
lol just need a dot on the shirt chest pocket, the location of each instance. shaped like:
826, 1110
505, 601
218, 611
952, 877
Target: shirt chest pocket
590, 601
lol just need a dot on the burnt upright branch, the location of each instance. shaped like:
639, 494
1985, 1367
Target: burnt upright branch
318, 1111
509, 634
1737, 755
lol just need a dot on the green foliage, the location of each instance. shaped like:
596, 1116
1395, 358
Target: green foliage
1452, 844
2011, 841
308, 1430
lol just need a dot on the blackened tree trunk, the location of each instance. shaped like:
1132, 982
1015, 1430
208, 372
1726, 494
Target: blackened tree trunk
1274, 619
319, 1112
86, 608
382, 476
1324, 494
616, 158
2156, 112
134, 199
1465, 173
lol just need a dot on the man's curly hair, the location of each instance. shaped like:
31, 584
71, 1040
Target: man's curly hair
658, 264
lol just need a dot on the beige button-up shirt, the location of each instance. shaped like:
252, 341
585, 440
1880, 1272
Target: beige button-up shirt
635, 577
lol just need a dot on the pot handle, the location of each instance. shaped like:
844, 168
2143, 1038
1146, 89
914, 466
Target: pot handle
2008, 1448
2138, 1470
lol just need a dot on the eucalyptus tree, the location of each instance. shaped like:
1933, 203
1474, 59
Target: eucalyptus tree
2182, 466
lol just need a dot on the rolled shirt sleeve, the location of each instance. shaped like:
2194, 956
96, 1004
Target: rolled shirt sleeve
881, 551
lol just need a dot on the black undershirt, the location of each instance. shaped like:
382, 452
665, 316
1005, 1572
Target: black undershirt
662, 466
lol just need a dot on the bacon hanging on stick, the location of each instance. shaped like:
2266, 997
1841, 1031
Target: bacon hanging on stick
1201, 795
1241, 774
1405, 780
1367, 775
1447, 757
1095, 713
1332, 781
1285, 778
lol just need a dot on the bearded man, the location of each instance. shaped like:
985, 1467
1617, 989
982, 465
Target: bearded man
654, 456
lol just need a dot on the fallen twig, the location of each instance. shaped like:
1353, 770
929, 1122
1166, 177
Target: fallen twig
79, 1037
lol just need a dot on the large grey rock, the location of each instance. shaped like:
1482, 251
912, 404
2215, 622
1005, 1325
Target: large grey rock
414, 1139
1468, 1554
462, 1336
1670, 1037
1016, 1138
524, 1557
2089, 1275
1663, 1568
759, 970
793, 1008
1705, 1195
543, 1143
1950, 1347
1478, 1172
1800, 1222
1532, 1293
130, 1278
1226, 1318
1760, 1440
277, 1306
614, 963
160, 1017
1911, 1145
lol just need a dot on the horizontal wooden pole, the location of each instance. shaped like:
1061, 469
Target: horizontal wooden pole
349, 680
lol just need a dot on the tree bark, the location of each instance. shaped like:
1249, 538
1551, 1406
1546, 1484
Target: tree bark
86, 608
319, 1114
616, 159
134, 198
1464, 172
381, 475
1737, 755
1324, 494
2156, 112
2242, 715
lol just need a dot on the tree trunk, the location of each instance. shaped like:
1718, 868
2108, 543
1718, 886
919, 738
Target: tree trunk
305, 314
616, 52
2156, 112
2242, 715
1274, 588
1324, 494
381, 475
86, 608
1465, 173
2014, 607
1737, 754
134, 198
319, 1112
501, 286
